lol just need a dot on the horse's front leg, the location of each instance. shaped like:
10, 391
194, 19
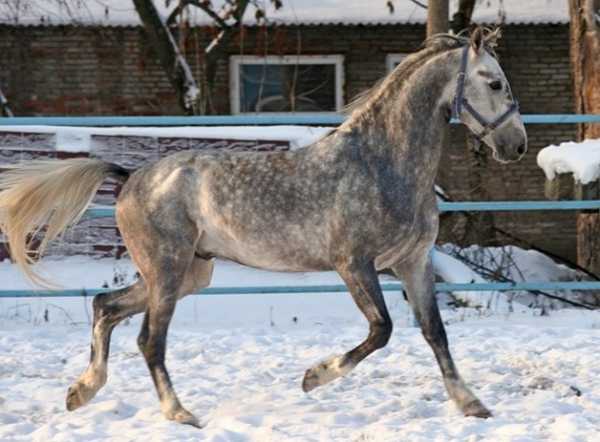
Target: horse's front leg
417, 275
361, 279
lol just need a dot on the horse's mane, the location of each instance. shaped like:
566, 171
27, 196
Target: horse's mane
430, 48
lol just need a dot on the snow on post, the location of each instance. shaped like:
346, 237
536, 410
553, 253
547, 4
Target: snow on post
580, 160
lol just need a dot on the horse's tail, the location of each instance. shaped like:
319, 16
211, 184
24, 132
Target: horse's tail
47, 193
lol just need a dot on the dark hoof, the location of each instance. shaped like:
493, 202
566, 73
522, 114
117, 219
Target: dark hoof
310, 381
476, 409
74, 398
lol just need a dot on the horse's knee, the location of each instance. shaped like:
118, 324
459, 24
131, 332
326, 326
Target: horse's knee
380, 333
99, 305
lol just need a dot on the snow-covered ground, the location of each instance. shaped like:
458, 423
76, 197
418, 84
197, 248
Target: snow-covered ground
237, 362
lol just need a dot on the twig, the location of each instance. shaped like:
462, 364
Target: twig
207, 9
418, 3
527, 244
493, 275
58, 307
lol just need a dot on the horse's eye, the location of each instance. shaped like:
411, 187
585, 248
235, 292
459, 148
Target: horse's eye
496, 85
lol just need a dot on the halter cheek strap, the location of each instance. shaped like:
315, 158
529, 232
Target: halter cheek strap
461, 104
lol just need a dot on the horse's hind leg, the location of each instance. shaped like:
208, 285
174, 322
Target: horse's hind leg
109, 309
164, 291
177, 273
419, 283
362, 281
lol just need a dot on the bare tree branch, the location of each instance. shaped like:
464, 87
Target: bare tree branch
210, 12
528, 244
489, 273
175, 13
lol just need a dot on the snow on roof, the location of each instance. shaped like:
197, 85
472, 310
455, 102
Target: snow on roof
580, 159
306, 12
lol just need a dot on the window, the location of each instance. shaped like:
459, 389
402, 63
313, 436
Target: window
295, 83
393, 60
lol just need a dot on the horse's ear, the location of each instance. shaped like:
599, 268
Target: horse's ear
492, 37
477, 39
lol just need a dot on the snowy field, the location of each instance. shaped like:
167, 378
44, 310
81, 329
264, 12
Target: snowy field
238, 361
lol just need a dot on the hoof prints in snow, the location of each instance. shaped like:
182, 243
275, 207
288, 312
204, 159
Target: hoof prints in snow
244, 384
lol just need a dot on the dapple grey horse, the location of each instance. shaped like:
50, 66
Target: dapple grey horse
358, 200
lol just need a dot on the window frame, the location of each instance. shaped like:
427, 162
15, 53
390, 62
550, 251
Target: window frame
235, 61
393, 59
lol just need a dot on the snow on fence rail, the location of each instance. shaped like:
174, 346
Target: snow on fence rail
316, 119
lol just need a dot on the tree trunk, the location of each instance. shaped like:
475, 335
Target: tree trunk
217, 49
461, 19
585, 63
480, 228
437, 17
173, 63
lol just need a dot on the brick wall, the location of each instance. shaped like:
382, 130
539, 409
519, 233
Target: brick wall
111, 71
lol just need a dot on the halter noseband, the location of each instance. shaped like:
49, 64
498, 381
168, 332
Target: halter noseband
460, 103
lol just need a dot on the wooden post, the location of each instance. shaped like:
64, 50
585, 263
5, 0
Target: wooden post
588, 228
559, 188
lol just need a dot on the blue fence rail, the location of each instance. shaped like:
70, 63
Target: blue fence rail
445, 206
315, 289
308, 119
322, 120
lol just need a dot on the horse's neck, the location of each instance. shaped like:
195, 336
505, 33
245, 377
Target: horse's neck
409, 126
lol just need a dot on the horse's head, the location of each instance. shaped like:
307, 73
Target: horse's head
484, 103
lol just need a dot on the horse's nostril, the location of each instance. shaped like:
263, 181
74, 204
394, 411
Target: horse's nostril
521, 149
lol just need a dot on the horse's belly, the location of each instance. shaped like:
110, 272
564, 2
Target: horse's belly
263, 255
400, 252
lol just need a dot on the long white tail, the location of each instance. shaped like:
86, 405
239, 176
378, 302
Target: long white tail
50, 193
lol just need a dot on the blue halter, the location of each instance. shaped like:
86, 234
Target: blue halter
461, 104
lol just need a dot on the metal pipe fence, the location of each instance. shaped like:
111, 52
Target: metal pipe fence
323, 120
302, 119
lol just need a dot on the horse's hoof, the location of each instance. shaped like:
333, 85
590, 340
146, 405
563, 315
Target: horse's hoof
310, 381
183, 416
476, 409
325, 372
78, 395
